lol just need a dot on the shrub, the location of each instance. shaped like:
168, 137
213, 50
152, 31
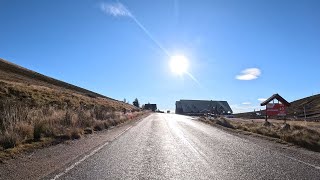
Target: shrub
67, 120
65, 136
297, 127
107, 124
225, 123
84, 119
11, 112
76, 133
40, 127
242, 127
122, 120
112, 122
117, 121
48, 110
9, 140
98, 126
267, 132
50, 130
103, 113
24, 130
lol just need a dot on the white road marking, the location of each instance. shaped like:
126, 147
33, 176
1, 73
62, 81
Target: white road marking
305, 163
87, 156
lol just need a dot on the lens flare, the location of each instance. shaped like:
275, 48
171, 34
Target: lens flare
179, 64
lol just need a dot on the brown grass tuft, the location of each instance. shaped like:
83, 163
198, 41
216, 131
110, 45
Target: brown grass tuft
24, 130
9, 140
76, 133
38, 129
224, 122
98, 125
107, 124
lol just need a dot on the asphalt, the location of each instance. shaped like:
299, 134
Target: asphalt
168, 146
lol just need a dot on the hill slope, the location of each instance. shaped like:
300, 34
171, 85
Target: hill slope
20, 83
311, 105
34, 106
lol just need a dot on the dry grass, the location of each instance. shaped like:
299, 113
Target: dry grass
217, 121
11, 152
20, 124
37, 95
303, 134
98, 126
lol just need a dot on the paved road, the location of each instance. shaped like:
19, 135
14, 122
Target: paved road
166, 146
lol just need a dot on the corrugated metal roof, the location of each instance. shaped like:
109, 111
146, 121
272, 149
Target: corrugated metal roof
194, 106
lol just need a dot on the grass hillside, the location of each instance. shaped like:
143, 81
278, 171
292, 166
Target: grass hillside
311, 104
296, 109
34, 107
29, 86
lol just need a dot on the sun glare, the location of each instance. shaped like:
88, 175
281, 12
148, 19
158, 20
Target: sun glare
179, 64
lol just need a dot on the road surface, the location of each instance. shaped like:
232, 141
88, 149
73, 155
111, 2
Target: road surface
167, 146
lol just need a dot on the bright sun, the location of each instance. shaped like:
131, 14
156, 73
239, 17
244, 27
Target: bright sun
179, 64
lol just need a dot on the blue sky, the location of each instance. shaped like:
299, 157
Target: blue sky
238, 50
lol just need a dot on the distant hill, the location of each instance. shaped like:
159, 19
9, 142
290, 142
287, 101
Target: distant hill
311, 105
24, 84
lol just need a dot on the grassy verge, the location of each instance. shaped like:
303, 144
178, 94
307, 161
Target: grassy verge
23, 128
296, 134
33, 116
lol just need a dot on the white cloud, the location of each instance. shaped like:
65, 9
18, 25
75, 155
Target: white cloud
115, 9
249, 74
262, 99
246, 103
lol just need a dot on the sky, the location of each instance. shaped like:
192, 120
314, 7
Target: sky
241, 51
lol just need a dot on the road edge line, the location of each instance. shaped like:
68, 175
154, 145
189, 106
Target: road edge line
87, 156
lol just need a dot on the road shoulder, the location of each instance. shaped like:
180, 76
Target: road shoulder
288, 150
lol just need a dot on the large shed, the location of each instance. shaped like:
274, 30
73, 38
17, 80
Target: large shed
202, 107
